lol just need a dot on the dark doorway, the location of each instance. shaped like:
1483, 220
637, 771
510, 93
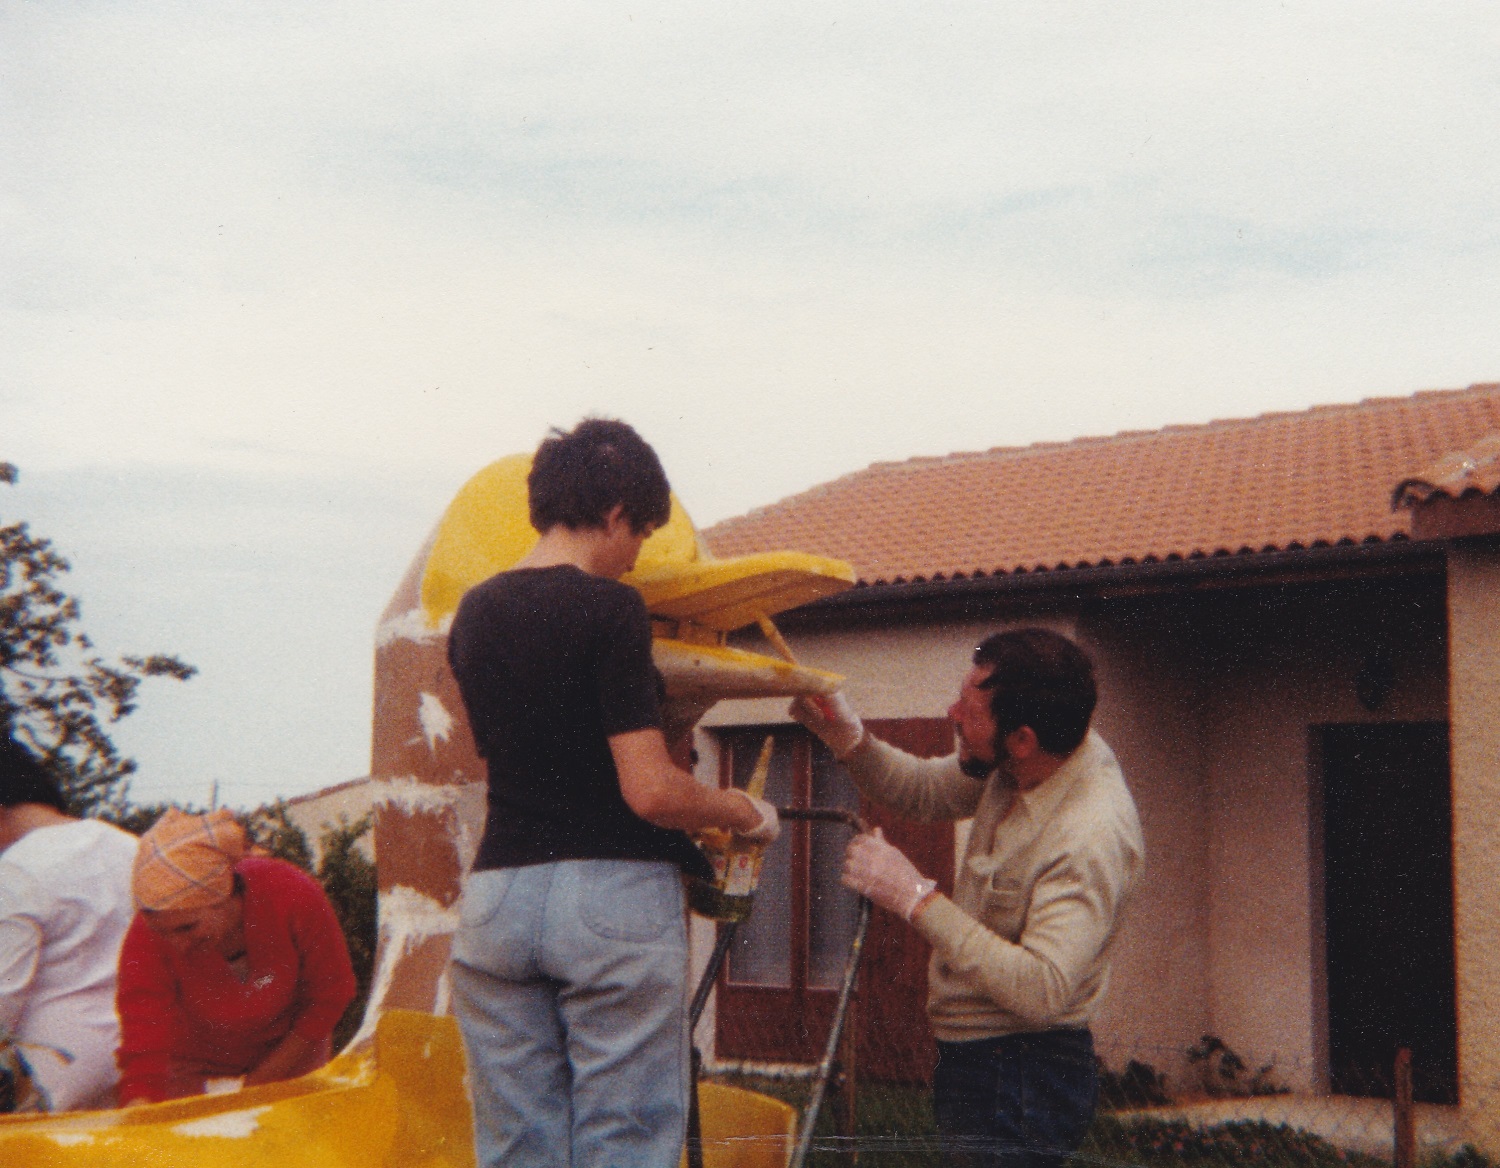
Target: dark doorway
1388, 888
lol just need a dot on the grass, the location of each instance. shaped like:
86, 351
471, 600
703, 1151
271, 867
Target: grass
894, 1129
893, 1125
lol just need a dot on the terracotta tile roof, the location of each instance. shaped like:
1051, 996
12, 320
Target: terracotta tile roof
1475, 470
1271, 483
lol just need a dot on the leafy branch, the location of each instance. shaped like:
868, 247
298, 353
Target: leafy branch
57, 695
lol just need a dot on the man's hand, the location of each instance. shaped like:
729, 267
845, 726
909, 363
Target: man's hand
878, 870
832, 719
769, 827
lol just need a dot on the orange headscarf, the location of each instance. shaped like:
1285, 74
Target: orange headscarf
187, 861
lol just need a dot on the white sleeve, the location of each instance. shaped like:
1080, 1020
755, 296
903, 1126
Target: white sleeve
22, 907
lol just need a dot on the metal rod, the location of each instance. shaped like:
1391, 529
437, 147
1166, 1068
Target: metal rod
820, 1085
695, 1012
823, 815
695, 1115
711, 972
851, 971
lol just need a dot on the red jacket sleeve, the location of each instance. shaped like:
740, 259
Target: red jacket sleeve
150, 1020
325, 980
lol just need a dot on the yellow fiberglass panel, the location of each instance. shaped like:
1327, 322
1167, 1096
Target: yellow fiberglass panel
730, 594
487, 529
743, 1129
345, 1128
724, 673
403, 1106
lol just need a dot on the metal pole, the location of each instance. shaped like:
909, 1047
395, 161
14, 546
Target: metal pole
810, 1117
711, 972
695, 1012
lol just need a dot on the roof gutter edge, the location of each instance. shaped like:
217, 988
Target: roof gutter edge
1392, 556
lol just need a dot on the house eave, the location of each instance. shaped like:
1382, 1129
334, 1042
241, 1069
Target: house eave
981, 595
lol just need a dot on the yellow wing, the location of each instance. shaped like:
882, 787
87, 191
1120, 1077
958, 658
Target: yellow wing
720, 673
729, 594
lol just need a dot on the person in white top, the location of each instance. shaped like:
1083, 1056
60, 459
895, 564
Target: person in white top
1020, 953
64, 908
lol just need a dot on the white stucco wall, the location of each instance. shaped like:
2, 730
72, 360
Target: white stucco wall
1158, 1003
318, 812
1294, 670
1474, 615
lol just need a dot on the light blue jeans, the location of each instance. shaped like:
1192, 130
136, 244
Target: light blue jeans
570, 986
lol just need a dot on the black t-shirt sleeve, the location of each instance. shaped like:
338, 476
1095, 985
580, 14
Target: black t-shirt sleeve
627, 680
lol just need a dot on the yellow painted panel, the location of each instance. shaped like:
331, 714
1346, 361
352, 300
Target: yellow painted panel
403, 1104
724, 673
730, 594
487, 529
742, 1129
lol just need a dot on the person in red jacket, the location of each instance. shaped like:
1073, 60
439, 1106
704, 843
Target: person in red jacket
234, 968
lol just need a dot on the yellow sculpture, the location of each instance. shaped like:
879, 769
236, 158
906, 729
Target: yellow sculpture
398, 1095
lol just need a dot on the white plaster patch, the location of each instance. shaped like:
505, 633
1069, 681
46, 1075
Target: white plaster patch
407, 918
414, 797
71, 1139
231, 1125
411, 625
437, 722
414, 916
357, 1072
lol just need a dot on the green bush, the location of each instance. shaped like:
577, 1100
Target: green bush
1138, 1085
348, 879
1222, 1071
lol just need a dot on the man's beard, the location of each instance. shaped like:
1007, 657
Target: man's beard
975, 768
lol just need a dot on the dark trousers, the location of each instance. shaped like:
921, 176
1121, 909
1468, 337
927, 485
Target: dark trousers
1018, 1101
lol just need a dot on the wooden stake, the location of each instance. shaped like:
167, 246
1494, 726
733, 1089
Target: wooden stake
1406, 1126
778, 642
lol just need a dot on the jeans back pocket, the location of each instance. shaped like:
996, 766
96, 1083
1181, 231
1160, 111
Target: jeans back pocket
628, 900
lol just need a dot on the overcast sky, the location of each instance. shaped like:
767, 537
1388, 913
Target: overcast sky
276, 279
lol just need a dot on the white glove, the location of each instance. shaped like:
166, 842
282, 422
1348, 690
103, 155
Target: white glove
767, 829
878, 870
832, 719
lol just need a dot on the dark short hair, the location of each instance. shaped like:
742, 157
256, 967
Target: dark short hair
23, 779
1039, 679
579, 476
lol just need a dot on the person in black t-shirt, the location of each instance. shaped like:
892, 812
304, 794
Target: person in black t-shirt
569, 972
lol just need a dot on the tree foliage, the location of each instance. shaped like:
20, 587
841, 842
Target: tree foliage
348, 878
57, 695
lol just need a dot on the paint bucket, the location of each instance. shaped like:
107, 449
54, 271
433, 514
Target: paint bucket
730, 895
